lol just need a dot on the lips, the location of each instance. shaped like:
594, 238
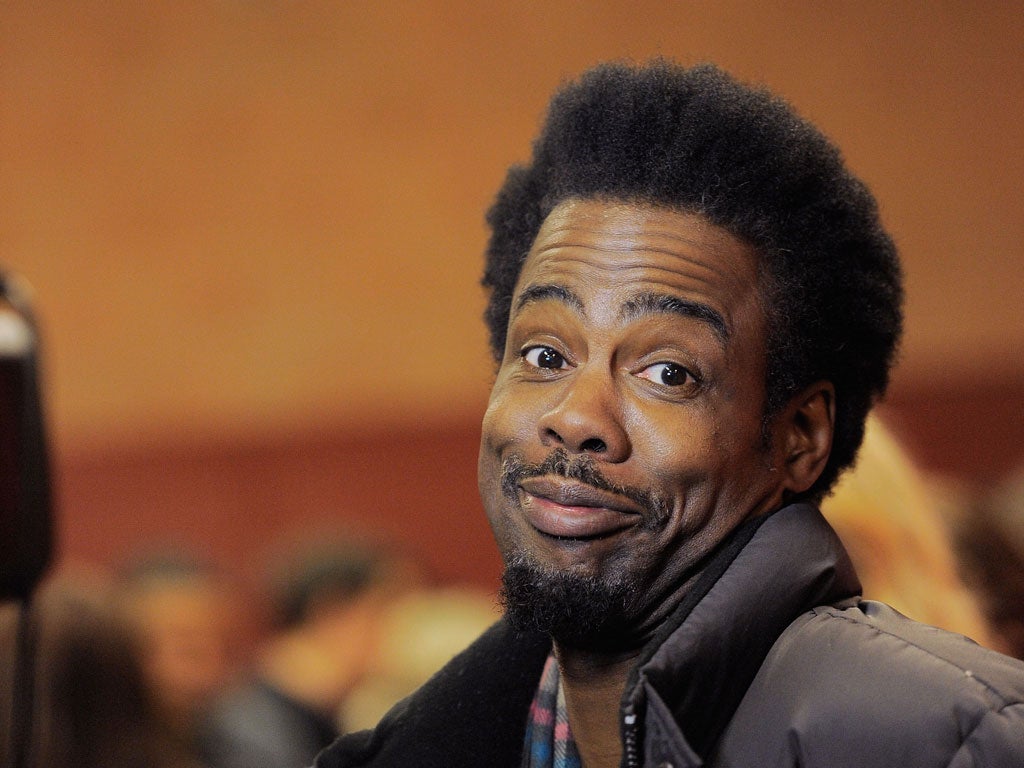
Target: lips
569, 509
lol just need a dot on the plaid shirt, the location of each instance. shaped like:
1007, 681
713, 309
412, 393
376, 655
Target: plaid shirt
549, 742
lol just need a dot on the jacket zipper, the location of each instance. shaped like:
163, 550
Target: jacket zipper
630, 738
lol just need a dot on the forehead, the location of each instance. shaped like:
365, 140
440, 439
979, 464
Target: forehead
616, 249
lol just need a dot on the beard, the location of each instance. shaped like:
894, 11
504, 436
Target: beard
575, 611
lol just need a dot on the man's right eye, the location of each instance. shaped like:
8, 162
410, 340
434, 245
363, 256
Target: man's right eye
544, 357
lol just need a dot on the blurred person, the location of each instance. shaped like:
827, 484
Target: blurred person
421, 632
92, 706
189, 623
327, 604
891, 522
990, 543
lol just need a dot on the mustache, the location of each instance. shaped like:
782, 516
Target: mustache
581, 468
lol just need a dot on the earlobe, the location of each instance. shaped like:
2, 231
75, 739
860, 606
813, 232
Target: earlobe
808, 423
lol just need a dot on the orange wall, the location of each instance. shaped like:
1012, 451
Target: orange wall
244, 216
236, 502
253, 224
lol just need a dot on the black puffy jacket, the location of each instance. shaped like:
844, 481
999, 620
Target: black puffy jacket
772, 661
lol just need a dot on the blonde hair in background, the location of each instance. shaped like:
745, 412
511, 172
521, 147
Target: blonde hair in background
888, 515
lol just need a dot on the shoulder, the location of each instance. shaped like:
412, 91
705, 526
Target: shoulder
867, 682
885, 649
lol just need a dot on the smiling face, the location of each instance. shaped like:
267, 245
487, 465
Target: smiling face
623, 439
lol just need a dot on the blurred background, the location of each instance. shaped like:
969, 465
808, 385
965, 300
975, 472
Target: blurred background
254, 230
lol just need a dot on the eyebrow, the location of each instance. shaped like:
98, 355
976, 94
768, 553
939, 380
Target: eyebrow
534, 293
641, 305
645, 304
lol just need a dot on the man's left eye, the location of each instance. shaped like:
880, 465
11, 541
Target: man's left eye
667, 374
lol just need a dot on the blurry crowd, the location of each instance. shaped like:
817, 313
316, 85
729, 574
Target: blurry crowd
170, 662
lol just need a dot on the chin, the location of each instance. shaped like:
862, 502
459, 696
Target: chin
574, 610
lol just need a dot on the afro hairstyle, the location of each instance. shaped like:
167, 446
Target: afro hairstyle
698, 141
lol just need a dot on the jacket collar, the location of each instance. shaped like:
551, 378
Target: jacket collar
703, 660
694, 671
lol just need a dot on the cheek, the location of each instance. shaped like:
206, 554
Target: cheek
674, 444
494, 435
510, 419
698, 466
498, 432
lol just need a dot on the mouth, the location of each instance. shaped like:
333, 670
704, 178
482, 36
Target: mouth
567, 509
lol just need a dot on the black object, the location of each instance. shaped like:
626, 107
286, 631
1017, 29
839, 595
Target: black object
26, 527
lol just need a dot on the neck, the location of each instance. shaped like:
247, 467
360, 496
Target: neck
595, 681
593, 685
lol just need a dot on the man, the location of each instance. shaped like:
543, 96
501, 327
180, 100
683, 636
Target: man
327, 603
693, 306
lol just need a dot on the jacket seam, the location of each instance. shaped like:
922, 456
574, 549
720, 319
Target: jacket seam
1005, 702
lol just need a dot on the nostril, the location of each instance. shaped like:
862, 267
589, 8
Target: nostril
593, 445
553, 436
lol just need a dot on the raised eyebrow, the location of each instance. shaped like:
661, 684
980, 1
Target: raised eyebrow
543, 291
659, 303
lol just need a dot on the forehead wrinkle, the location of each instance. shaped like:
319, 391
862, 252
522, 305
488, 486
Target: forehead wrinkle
627, 244
652, 303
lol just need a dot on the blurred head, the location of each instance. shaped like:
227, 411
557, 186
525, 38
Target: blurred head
327, 601
990, 542
187, 621
317, 578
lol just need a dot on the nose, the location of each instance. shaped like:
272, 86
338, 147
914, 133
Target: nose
586, 418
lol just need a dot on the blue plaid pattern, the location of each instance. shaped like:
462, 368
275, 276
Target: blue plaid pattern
549, 742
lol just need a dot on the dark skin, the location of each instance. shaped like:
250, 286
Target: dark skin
637, 337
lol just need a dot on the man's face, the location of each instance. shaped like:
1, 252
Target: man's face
623, 439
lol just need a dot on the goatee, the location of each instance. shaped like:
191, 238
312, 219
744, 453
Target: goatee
576, 611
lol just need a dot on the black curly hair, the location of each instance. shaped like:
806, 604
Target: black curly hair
698, 141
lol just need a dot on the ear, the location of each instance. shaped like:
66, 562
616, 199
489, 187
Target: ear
803, 436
